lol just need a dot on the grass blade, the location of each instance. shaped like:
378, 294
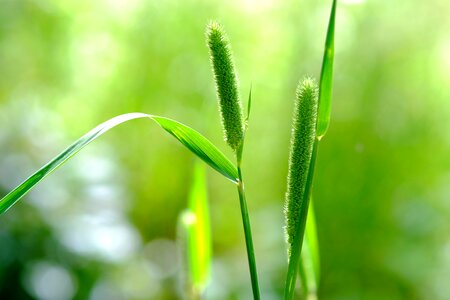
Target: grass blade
326, 78
201, 146
309, 264
249, 107
195, 223
313, 243
193, 140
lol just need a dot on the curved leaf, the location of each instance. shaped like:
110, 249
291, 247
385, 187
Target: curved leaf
193, 140
198, 144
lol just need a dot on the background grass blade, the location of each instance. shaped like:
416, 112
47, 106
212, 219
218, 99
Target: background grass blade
195, 224
310, 263
193, 140
313, 243
326, 78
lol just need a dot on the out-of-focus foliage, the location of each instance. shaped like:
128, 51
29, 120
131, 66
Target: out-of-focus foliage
194, 237
382, 182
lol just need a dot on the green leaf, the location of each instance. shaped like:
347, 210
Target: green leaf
193, 140
326, 78
195, 223
198, 144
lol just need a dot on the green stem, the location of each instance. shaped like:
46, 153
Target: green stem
300, 230
248, 234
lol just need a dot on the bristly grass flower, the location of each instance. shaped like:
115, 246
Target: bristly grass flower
227, 84
302, 141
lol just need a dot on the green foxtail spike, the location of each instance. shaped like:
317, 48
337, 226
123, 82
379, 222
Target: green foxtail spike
302, 141
227, 84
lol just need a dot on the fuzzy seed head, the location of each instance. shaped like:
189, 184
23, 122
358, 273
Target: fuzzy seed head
302, 141
227, 84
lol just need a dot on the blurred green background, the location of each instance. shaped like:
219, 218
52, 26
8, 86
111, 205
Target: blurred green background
104, 225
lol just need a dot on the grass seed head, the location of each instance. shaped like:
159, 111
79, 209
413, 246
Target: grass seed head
302, 141
226, 83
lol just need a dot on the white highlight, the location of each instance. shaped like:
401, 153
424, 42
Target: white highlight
49, 281
108, 240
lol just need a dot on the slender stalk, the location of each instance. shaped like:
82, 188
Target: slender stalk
247, 230
300, 230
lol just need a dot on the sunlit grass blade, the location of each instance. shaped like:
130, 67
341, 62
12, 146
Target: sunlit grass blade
193, 140
313, 242
306, 272
302, 275
326, 78
201, 146
195, 222
310, 264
